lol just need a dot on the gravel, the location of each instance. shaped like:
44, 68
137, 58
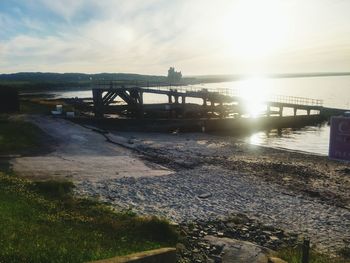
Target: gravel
177, 198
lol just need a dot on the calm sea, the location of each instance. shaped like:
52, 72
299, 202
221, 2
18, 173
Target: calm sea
334, 91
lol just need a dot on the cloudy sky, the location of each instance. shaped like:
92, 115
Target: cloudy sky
195, 36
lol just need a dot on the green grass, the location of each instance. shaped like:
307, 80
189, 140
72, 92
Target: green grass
34, 107
42, 222
18, 136
293, 255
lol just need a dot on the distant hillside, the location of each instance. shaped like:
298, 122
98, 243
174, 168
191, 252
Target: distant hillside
74, 77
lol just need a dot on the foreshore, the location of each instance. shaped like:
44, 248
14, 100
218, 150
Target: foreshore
215, 176
194, 177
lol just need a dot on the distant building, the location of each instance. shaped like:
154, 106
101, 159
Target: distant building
174, 76
9, 100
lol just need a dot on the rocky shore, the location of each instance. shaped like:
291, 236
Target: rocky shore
206, 241
214, 177
200, 178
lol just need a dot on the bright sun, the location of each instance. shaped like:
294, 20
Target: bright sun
256, 29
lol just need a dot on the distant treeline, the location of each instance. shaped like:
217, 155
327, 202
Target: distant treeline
76, 77
44, 81
33, 81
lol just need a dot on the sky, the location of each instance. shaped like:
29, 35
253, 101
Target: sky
198, 37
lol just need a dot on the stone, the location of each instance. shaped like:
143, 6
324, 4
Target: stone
206, 195
216, 259
195, 250
180, 247
220, 234
236, 251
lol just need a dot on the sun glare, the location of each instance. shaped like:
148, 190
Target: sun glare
256, 29
255, 92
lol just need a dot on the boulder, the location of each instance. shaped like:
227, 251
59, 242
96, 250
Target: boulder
237, 251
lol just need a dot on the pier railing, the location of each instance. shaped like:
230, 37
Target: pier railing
237, 93
296, 100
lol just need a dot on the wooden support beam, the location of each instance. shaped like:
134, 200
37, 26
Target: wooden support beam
110, 98
127, 98
106, 97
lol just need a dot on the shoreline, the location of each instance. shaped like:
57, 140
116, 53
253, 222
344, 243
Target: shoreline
186, 177
291, 150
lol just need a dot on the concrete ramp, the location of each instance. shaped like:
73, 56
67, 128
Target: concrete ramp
82, 154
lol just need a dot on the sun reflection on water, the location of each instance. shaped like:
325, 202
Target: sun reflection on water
257, 138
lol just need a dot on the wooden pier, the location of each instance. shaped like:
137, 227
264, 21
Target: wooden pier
220, 103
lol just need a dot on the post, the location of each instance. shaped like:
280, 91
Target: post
305, 251
204, 101
221, 110
141, 97
204, 107
141, 112
98, 104
183, 101
295, 111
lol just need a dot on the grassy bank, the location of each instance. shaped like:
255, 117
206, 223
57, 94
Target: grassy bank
17, 136
42, 222
294, 255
